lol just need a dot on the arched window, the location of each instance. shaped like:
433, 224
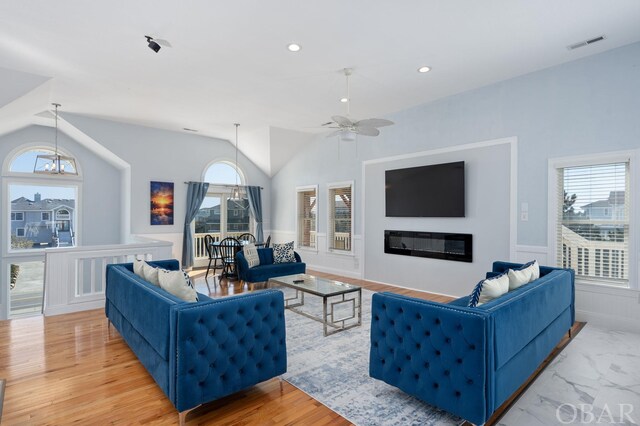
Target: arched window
221, 216
223, 173
24, 161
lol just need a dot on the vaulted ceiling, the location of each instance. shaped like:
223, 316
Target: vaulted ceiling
229, 62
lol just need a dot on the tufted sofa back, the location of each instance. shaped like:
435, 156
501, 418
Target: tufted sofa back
436, 352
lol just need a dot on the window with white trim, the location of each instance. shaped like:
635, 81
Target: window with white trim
17, 216
46, 216
19, 232
340, 224
593, 222
307, 219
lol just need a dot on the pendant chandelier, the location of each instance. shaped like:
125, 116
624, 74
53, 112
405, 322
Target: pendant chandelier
55, 164
235, 192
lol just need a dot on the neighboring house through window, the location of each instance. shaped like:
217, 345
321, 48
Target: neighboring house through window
340, 224
17, 216
592, 233
307, 216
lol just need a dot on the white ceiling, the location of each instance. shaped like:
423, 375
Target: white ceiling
229, 61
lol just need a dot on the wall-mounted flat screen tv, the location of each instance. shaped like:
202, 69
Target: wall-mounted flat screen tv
427, 191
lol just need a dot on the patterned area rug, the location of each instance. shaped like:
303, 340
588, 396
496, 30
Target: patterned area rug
335, 371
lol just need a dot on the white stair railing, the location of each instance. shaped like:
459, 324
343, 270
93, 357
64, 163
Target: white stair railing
74, 277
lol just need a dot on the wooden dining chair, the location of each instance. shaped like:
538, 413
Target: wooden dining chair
227, 250
246, 238
214, 256
268, 242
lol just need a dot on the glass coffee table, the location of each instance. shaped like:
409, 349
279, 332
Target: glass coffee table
336, 296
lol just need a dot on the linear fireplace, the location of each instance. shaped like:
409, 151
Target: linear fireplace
437, 245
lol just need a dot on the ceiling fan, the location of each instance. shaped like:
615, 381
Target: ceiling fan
348, 129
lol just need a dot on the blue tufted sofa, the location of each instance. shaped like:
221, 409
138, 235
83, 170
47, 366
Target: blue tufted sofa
468, 361
202, 351
267, 269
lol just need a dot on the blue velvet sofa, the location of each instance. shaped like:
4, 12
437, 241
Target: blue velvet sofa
202, 351
267, 269
468, 361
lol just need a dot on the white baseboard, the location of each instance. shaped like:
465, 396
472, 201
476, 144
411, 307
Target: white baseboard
611, 322
412, 289
335, 271
76, 307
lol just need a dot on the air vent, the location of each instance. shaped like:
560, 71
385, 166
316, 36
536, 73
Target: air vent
586, 42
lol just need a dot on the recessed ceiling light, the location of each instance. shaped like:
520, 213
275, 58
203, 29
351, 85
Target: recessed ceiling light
344, 100
424, 69
293, 47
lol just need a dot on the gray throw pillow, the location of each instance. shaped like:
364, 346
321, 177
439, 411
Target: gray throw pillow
251, 254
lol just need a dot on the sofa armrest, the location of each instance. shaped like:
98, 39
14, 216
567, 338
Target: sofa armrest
438, 353
226, 345
242, 266
297, 256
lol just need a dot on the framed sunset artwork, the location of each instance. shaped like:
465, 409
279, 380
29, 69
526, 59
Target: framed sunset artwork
161, 207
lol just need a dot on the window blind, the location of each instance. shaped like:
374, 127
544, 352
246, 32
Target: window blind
307, 216
340, 217
593, 222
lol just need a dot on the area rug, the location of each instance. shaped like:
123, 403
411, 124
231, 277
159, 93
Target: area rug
334, 370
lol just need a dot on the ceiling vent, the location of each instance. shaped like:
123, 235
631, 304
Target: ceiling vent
586, 42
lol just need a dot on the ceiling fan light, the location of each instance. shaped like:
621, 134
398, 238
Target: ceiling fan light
294, 47
347, 136
424, 69
344, 100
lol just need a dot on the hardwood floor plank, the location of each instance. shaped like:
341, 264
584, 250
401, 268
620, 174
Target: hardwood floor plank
71, 369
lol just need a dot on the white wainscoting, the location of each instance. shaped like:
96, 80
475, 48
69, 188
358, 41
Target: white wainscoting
75, 277
320, 259
610, 307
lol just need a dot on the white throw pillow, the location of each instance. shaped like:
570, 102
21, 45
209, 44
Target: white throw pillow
527, 273
489, 289
251, 254
179, 284
150, 273
137, 267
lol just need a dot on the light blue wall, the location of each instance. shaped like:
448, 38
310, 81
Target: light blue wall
586, 106
166, 156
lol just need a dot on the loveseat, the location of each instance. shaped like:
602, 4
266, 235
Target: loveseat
267, 269
197, 352
468, 361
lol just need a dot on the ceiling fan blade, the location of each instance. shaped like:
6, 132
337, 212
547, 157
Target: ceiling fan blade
342, 121
374, 122
328, 123
367, 131
332, 134
162, 42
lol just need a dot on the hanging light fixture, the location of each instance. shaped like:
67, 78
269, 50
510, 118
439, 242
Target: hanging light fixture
55, 164
235, 192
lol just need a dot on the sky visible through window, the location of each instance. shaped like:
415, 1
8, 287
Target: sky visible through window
594, 183
219, 173
46, 191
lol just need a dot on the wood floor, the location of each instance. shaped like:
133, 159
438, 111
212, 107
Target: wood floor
69, 369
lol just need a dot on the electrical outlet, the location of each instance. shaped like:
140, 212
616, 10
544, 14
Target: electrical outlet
524, 216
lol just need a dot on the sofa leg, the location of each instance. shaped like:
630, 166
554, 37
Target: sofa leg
281, 385
570, 336
182, 415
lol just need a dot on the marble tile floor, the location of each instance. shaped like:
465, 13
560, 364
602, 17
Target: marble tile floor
594, 380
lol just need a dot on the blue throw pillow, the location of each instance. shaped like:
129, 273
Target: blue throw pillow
283, 253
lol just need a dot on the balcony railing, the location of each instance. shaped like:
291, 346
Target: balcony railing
595, 259
200, 251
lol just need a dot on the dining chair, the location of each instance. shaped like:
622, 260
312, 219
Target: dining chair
227, 250
214, 256
268, 242
246, 238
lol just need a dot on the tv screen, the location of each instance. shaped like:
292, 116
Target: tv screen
426, 191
